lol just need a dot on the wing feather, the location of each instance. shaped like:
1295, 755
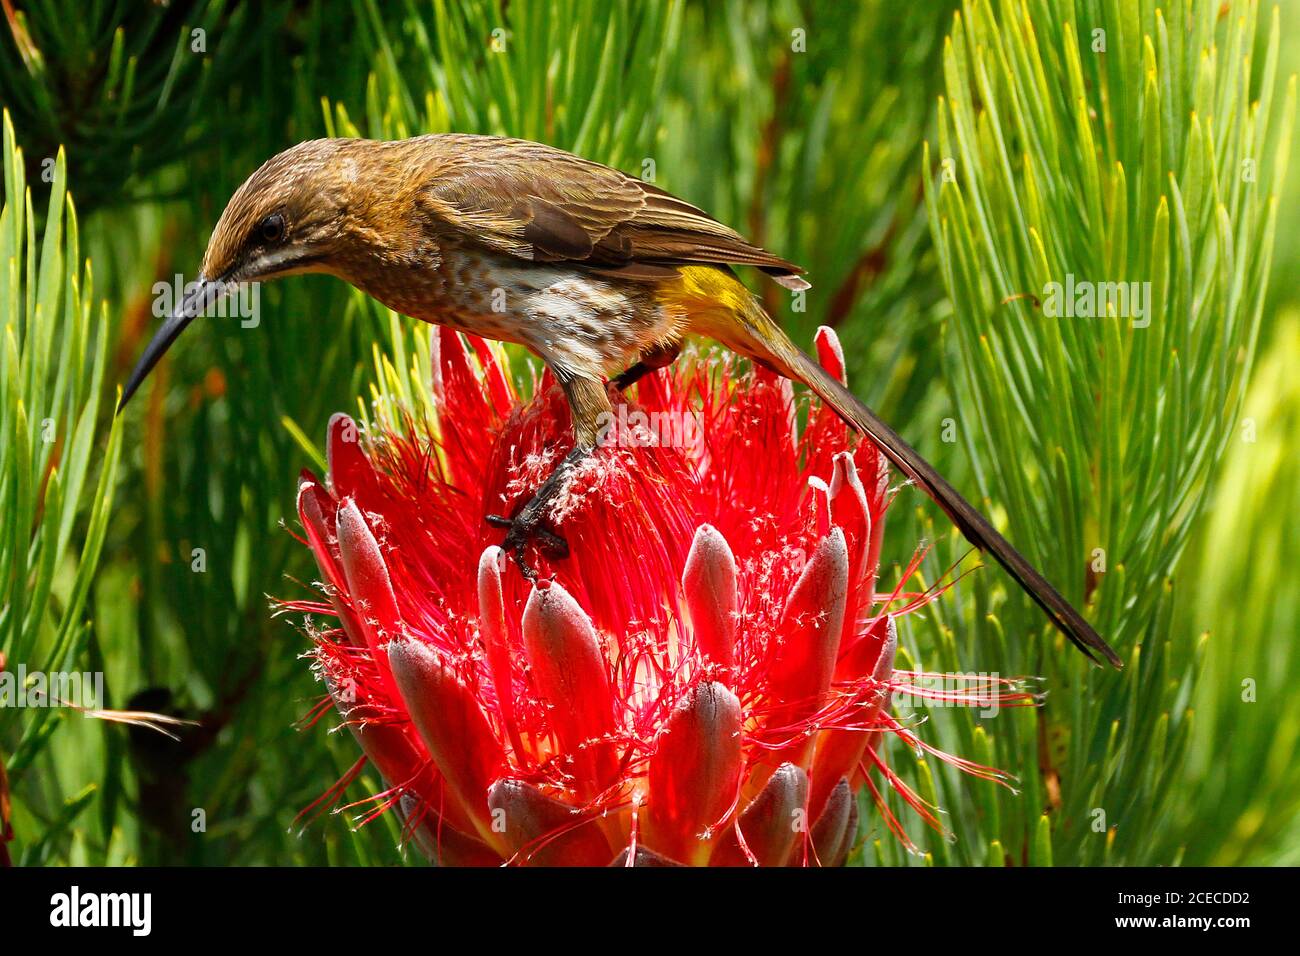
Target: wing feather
542, 204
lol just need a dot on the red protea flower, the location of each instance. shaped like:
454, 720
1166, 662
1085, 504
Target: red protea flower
704, 680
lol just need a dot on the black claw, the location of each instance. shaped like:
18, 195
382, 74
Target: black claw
523, 528
527, 570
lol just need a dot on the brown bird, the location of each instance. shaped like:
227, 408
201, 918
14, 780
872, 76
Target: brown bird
598, 273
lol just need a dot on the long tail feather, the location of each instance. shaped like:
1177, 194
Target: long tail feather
974, 526
721, 308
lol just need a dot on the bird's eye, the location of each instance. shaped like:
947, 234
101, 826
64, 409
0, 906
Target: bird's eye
271, 229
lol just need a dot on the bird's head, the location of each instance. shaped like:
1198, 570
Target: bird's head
288, 217
291, 216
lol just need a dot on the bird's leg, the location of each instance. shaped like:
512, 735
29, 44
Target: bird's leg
529, 522
650, 361
630, 376
587, 403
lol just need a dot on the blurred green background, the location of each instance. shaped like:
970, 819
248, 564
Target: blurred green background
930, 163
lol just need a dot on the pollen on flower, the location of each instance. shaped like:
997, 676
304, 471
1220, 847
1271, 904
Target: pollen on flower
592, 476
710, 666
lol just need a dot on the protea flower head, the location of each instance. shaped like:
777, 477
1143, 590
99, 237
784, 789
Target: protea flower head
706, 678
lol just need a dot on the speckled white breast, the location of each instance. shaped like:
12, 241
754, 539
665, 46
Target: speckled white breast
575, 320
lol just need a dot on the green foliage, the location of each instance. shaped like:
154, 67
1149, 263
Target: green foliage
825, 109
580, 74
131, 104
1243, 781
1110, 143
55, 510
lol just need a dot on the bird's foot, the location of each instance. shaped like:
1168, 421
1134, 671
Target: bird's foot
527, 527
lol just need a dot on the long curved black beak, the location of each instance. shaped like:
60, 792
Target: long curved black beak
199, 294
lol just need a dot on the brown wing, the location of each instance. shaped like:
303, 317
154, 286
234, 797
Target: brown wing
542, 204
